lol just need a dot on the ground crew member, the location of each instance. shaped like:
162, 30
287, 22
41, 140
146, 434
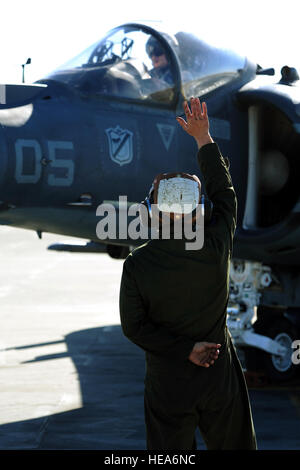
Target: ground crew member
173, 305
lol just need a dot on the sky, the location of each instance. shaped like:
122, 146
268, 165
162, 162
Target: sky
51, 33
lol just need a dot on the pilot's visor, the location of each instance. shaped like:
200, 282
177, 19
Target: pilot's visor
155, 50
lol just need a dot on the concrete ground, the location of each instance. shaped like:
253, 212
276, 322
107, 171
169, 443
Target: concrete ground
68, 377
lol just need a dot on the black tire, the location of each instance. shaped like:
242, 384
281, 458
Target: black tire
276, 368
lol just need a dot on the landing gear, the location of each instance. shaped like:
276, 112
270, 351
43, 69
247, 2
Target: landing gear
280, 368
266, 341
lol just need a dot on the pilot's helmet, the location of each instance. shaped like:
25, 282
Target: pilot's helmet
154, 47
174, 194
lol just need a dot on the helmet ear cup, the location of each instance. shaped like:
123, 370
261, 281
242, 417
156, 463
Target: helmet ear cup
145, 212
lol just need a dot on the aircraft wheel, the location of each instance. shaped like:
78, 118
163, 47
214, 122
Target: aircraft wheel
280, 368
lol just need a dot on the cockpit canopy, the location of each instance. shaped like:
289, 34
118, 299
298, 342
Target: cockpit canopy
137, 62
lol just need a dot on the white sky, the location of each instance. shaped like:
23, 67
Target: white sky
52, 32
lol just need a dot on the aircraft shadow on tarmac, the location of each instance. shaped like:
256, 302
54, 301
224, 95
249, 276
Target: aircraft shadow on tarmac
111, 375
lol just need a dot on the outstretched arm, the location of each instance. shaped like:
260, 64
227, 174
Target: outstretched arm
215, 170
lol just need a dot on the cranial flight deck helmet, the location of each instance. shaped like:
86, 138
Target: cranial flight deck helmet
179, 191
154, 47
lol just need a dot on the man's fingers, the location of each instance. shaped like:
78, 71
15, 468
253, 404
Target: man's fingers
202, 363
199, 110
213, 345
187, 109
203, 357
206, 346
204, 112
205, 354
182, 122
196, 108
206, 364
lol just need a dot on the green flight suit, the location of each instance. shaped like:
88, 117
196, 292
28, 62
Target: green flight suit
171, 298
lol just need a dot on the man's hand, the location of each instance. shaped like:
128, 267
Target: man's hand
196, 124
204, 354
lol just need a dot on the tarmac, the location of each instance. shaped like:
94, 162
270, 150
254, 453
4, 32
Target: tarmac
69, 379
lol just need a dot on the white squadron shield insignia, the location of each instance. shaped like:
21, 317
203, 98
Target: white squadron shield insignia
120, 143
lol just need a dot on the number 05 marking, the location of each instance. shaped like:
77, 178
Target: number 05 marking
67, 176
68, 165
37, 151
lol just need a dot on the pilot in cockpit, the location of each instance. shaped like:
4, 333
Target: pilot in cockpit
161, 67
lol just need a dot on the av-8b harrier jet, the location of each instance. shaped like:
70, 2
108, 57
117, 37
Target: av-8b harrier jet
103, 125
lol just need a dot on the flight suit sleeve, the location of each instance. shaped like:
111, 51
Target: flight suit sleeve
219, 189
139, 329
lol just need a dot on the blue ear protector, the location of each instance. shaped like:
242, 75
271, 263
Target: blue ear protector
148, 206
147, 203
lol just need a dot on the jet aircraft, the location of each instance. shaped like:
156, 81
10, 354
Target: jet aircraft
103, 125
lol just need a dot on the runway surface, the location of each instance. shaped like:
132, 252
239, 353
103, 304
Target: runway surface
68, 377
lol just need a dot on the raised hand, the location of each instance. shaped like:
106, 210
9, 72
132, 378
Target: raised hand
196, 123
